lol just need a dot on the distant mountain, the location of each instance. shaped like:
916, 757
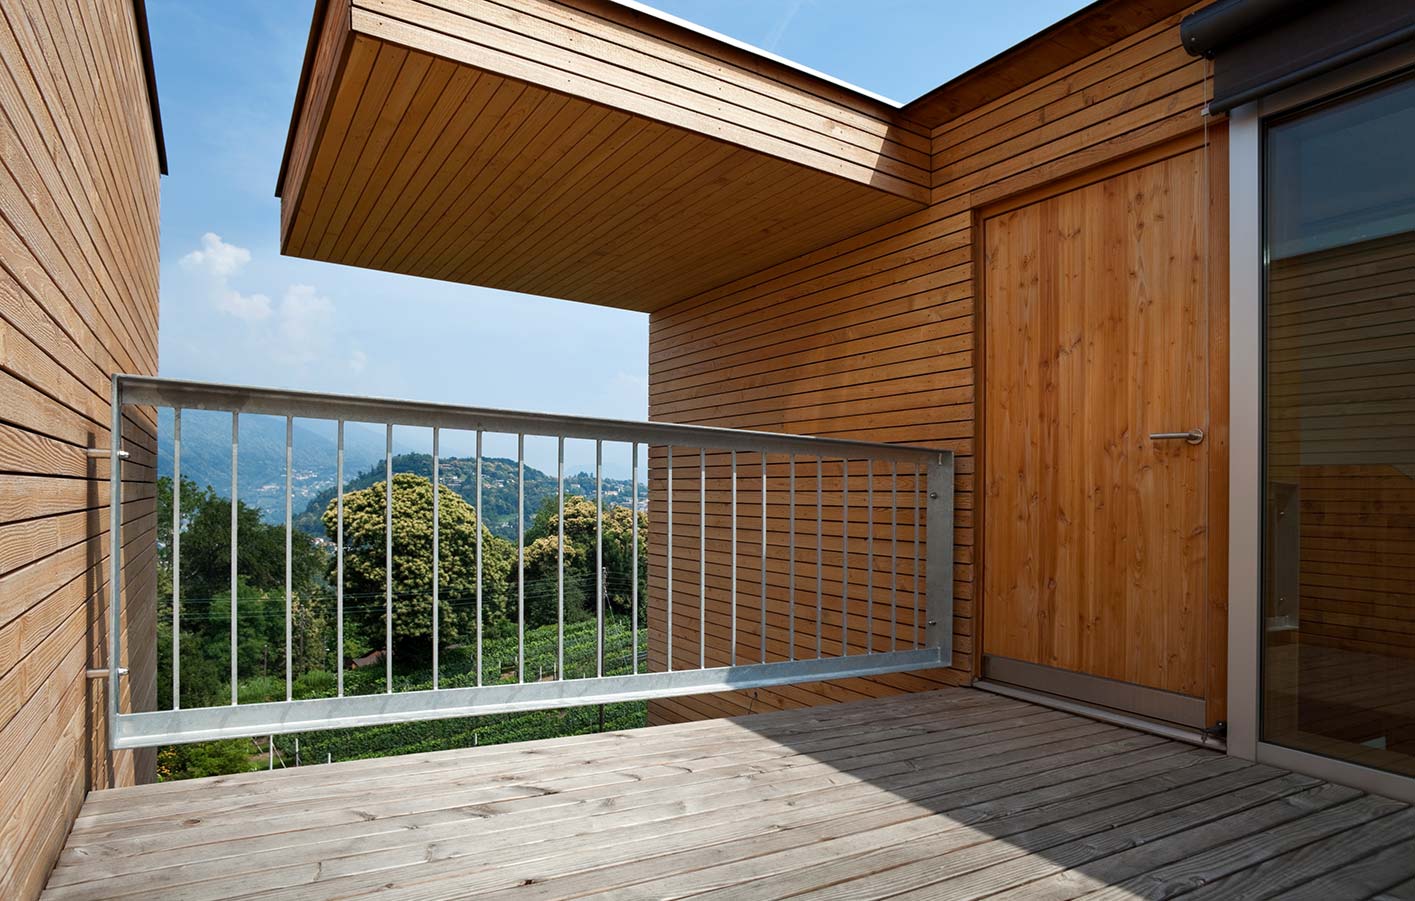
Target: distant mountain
206, 460
499, 496
206, 456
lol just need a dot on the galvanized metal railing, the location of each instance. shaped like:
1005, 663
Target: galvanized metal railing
849, 631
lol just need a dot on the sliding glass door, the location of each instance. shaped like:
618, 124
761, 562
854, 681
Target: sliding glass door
1338, 656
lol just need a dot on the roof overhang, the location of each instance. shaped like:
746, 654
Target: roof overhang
577, 149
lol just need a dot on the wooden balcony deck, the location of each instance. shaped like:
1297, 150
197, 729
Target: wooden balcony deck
952, 794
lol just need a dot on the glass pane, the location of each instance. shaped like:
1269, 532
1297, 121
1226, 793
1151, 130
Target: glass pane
1339, 579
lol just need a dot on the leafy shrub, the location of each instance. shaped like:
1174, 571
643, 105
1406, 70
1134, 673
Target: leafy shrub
207, 758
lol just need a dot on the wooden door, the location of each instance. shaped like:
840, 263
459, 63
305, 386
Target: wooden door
1095, 337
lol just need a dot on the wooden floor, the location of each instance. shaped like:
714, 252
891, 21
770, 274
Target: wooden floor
952, 794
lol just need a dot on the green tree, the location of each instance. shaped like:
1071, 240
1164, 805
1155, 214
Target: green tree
206, 546
580, 553
365, 555
543, 585
206, 594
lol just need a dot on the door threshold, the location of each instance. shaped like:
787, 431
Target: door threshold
1105, 714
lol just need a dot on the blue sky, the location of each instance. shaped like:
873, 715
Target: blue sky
234, 310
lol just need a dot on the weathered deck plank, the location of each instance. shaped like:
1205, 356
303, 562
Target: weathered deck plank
953, 794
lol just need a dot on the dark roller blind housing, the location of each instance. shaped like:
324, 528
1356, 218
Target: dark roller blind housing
1262, 46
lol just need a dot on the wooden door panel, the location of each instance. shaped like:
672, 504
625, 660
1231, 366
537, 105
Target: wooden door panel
1096, 337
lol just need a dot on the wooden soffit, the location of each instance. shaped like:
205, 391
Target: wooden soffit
574, 149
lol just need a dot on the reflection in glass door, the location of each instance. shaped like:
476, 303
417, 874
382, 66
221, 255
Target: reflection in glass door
1339, 543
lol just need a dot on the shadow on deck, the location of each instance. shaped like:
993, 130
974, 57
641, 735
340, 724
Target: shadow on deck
950, 794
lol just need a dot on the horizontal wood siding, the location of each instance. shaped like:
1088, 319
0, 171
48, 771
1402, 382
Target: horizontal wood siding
565, 49
874, 337
546, 150
78, 302
1342, 392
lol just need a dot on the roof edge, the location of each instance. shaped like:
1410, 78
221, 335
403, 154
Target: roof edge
718, 37
1100, 14
321, 9
150, 74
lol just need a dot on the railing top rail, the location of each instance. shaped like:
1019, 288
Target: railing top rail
191, 395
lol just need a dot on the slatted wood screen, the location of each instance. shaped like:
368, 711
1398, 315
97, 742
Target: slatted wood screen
873, 337
78, 301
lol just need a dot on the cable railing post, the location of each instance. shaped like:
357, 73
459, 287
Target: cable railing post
115, 551
918, 614
938, 567
176, 558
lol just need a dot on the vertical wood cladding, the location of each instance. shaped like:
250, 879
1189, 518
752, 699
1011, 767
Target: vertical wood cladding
874, 337
78, 302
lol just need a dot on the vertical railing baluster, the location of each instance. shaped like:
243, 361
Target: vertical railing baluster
845, 557
388, 560
235, 504
733, 553
791, 558
918, 614
481, 526
893, 555
177, 558
521, 557
289, 552
634, 555
702, 558
560, 564
436, 555
763, 538
870, 556
339, 556
820, 547
669, 585
599, 555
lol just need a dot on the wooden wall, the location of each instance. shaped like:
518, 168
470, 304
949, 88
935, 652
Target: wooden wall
873, 337
78, 301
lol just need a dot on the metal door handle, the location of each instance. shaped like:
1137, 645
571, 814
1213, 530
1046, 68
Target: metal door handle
1193, 436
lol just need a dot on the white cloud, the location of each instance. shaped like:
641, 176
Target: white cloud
250, 307
217, 262
304, 326
297, 334
216, 257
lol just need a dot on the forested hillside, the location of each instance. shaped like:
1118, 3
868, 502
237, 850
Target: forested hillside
498, 489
